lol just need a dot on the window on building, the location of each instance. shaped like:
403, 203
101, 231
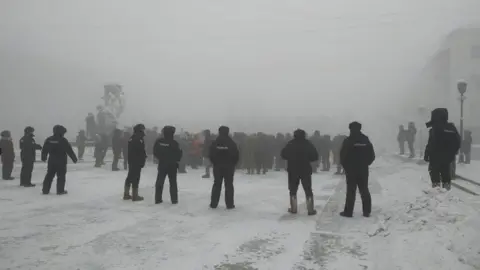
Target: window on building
476, 51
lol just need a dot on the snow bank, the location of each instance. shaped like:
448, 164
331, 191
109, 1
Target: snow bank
413, 227
424, 228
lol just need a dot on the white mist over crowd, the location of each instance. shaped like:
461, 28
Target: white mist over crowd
255, 65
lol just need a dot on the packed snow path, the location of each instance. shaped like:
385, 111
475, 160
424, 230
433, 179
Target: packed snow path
92, 228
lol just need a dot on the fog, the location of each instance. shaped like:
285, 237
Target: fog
264, 65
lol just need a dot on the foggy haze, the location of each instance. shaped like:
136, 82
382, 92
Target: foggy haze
268, 65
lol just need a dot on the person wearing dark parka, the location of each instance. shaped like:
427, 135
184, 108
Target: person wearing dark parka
442, 147
224, 156
300, 153
56, 148
28, 154
168, 153
137, 158
356, 155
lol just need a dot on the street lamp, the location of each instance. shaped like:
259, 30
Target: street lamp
462, 88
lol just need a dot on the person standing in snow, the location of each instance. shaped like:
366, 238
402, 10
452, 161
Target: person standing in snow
57, 148
8, 156
410, 135
205, 152
356, 155
224, 156
91, 126
81, 143
300, 153
317, 141
28, 148
325, 153
168, 153
337, 143
137, 158
99, 149
442, 147
116, 148
401, 139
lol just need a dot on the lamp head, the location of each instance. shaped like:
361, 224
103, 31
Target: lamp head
462, 87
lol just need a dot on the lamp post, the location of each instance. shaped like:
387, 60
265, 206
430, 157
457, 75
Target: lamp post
462, 88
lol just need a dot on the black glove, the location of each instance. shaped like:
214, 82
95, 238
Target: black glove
426, 158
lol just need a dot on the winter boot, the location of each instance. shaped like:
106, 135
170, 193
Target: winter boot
206, 176
434, 185
447, 186
135, 196
343, 214
62, 192
293, 205
310, 208
126, 193
29, 185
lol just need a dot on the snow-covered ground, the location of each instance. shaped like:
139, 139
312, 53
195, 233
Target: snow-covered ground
412, 226
470, 171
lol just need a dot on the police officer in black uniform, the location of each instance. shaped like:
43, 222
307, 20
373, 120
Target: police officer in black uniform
136, 161
356, 155
57, 148
28, 148
168, 153
224, 156
443, 144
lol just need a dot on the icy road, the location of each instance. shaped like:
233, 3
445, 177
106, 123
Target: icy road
412, 226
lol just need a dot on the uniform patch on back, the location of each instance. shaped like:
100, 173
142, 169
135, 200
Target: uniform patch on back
360, 144
164, 144
222, 147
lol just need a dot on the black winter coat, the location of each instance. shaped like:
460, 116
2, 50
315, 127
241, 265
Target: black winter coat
57, 148
357, 153
8, 152
299, 154
443, 144
28, 148
136, 151
167, 152
224, 152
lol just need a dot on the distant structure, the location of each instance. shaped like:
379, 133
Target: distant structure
108, 113
458, 59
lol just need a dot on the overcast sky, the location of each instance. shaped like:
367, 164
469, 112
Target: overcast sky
252, 64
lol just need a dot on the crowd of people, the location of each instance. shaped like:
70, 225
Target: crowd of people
223, 154
260, 151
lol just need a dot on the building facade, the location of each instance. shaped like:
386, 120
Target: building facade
464, 47
458, 59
